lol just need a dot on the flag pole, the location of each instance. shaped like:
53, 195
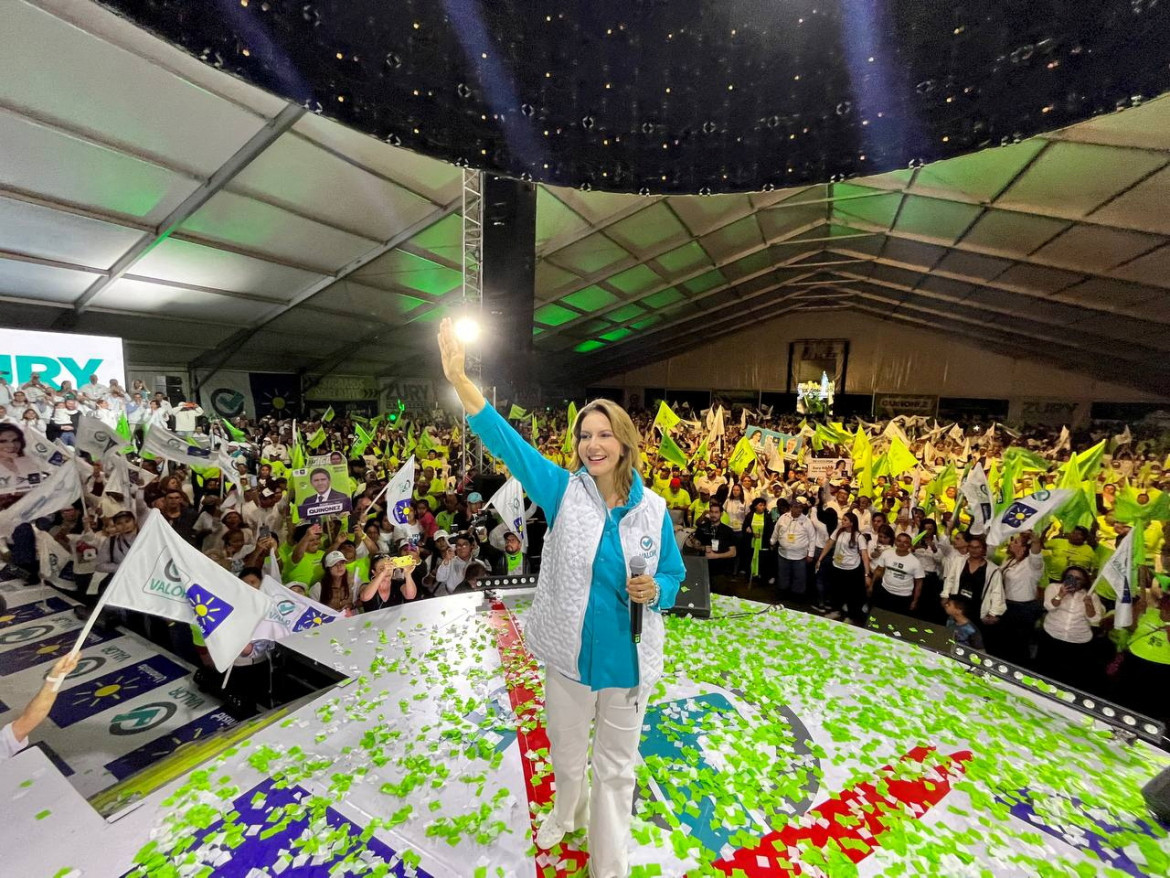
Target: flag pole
89, 623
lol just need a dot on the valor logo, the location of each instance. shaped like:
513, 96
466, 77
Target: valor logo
143, 719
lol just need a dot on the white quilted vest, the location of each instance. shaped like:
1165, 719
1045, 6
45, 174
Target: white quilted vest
552, 627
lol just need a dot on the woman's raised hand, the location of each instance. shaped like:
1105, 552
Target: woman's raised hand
452, 352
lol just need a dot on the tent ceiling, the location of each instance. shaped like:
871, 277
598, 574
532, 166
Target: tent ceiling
146, 195
683, 96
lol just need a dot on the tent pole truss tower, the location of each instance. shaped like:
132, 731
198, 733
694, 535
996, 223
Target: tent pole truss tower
472, 291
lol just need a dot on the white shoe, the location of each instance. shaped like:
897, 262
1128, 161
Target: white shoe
835, 615
550, 833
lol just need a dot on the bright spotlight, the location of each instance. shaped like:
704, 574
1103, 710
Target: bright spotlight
467, 329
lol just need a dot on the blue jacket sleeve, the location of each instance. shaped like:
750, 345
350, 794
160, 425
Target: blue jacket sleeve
543, 480
671, 571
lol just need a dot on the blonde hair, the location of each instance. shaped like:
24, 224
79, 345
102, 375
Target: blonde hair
630, 462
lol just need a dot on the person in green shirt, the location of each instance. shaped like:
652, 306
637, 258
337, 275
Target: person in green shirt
1074, 549
1145, 670
698, 508
300, 560
445, 518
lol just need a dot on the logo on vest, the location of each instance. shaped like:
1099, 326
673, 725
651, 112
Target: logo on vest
647, 543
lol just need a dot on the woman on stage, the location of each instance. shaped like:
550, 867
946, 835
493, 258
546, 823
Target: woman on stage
600, 518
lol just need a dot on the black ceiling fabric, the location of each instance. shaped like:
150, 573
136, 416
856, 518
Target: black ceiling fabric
685, 96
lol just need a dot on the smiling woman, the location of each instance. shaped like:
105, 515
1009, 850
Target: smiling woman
580, 623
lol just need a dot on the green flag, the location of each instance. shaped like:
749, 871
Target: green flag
362, 442
741, 457
666, 419
1127, 508
702, 453
668, 450
1029, 461
515, 413
1077, 510
535, 432
1089, 462
899, 457
123, 428
235, 432
317, 438
862, 454
567, 445
328, 416
297, 455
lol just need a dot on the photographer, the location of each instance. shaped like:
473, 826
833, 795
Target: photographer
1066, 645
1145, 668
715, 540
391, 584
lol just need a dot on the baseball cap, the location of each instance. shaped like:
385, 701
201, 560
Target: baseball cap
334, 557
441, 535
475, 497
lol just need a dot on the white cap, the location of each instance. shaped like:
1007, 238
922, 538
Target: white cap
334, 557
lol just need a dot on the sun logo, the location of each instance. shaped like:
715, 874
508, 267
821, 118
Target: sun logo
107, 691
210, 611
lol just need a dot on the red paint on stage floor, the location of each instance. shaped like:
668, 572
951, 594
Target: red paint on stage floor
519, 669
864, 806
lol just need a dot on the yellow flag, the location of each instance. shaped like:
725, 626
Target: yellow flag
666, 419
742, 456
900, 458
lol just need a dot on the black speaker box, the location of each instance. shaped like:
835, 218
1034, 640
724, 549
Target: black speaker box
694, 595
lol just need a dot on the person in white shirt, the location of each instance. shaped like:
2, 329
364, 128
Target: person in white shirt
449, 573
14, 735
6, 392
794, 539
838, 502
1066, 644
105, 414
864, 514
1022, 573
94, 390
850, 569
927, 551
185, 416
896, 582
35, 390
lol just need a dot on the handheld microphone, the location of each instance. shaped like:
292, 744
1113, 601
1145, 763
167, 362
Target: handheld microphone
637, 568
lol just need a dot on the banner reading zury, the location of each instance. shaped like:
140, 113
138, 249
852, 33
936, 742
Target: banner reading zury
522, 676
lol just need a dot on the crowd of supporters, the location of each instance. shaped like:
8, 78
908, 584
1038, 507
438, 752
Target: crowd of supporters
798, 517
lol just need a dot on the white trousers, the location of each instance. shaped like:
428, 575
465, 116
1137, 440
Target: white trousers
608, 807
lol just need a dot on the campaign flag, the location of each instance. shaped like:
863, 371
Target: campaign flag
567, 444
362, 442
162, 575
56, 562
60, 490
535, 432
329, 415
977, 492
509, 502
668, 450
1089, 461
161, 442
899, 457
1129, 508
515, 413
235, 432
742, 456
317, 438
400, 491
123, 428
717, 427
862, 454
666, 419
1120, 575
95, 437
291, 613
1025, 513
703, 452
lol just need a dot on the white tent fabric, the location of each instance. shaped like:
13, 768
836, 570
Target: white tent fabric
139, 182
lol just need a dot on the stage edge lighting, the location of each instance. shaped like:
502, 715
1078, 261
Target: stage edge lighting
1115, 715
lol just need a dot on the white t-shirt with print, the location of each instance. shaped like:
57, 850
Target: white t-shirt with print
901, 571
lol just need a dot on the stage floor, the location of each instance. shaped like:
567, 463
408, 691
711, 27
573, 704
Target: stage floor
778, 744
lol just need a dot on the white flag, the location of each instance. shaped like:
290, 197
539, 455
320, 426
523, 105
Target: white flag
717, 428
162, 575
978, 494
38, 445
95, 438
1123, 438
1064, 441
56, 562
1025, 513
59, 491
1119, 572
509, 502
956, 433
290, 613
400, 491
161, 442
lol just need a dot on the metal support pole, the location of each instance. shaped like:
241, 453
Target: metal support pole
472, 291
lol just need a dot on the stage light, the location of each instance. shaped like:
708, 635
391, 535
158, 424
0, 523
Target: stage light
466, 329
1115, 715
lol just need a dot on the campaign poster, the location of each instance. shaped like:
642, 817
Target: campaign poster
836, 467
322, 491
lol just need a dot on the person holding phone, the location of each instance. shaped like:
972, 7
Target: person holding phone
391, 584
601, 520
1066, 644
